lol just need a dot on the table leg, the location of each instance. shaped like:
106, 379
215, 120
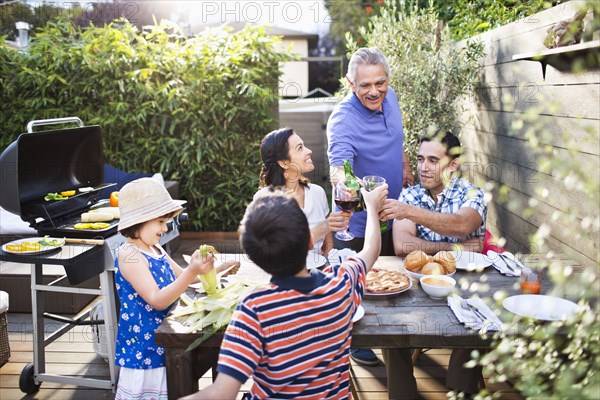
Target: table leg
184, 368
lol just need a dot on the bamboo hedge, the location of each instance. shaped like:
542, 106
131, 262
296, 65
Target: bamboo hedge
194, 109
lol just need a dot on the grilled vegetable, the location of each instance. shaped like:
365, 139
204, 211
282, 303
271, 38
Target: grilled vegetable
209, 280
48, 241
91, 225
114, 199
68, 193
106, 210
23, 246
96, 217
85, 225
54, 196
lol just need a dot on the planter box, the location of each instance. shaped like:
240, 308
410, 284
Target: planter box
224, 242
4, 344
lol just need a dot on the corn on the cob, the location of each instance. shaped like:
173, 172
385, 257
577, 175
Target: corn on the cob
96, 217
209, 280
211, 313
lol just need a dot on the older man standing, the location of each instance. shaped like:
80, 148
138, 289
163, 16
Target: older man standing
366, 128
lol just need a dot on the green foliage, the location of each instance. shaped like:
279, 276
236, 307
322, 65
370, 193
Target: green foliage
10, 14
194, 110
427, 71
594, 24
347, 16
564, 355
465, 18
36, 14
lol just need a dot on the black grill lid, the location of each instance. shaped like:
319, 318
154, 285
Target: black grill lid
38, 163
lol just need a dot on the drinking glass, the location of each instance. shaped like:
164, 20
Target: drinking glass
531, 281
370, 182
346, 195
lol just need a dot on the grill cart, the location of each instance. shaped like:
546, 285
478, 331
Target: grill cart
52, 161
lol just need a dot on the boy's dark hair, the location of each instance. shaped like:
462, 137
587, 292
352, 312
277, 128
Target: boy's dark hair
132, 231
448, 139
275, 234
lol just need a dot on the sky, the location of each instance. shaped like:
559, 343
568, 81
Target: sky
308, 16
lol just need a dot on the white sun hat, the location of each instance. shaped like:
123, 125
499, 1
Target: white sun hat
143, 200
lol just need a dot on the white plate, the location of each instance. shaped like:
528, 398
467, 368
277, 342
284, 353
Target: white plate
541, 307
358, 314
314, 261
469, 261
44, 249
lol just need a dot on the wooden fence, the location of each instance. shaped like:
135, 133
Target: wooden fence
509, 88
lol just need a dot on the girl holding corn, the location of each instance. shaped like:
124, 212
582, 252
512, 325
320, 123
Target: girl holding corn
148, 282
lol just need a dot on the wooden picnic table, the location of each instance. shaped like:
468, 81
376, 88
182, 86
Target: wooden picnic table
410, 320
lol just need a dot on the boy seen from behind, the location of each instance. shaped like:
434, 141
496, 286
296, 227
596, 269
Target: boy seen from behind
293, 336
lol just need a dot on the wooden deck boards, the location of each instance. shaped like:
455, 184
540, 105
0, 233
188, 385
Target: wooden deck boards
73, 354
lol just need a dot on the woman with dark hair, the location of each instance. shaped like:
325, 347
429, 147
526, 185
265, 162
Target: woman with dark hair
285, 161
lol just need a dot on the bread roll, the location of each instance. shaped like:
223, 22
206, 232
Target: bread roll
415, 260
433, 268
446, 260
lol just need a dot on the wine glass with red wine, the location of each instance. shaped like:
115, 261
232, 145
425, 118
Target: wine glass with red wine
346, 195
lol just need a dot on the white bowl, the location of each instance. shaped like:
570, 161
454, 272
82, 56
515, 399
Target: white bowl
437, 291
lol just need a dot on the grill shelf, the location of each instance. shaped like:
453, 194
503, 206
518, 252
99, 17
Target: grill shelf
73, 258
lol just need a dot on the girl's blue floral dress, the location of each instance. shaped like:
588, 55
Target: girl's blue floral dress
137, 319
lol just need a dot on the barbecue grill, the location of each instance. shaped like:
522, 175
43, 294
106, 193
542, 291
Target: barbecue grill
39, 163
52, 161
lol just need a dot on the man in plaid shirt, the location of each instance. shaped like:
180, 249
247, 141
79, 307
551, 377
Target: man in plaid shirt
441, 210
439, 213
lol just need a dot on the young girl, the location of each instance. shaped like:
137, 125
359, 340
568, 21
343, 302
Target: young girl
148, 281
285, 161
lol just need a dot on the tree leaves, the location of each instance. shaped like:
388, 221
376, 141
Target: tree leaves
194, 110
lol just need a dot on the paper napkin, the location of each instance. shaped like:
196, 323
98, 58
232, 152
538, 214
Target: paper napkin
506, 263
470, 319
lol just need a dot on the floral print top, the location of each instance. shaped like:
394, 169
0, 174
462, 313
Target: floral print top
137, 319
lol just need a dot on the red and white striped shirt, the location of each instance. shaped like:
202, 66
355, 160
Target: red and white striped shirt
293, 336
